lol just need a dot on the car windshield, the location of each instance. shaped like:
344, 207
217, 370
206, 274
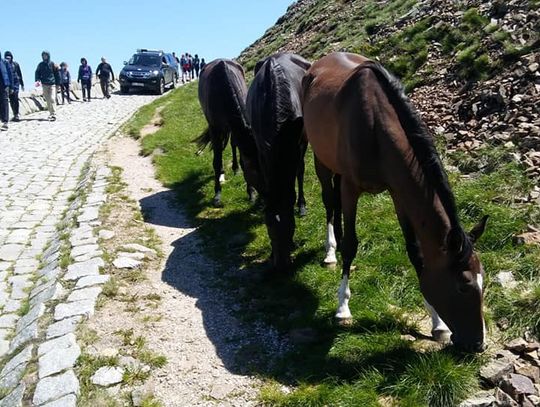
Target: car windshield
145, 60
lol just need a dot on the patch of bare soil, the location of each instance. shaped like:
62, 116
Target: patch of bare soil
172, 305
154, 125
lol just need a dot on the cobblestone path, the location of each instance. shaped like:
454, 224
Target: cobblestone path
44, 179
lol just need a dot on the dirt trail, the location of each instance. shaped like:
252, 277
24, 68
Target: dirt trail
197, 335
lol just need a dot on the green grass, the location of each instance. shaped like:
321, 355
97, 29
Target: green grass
368, 360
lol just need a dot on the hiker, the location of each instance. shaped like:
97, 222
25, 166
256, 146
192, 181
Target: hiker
85, 78
196, 65
183, 65
65, 80
176, 58
190, 63
104, 72
203, 64
47, 76
17, 82
5, 90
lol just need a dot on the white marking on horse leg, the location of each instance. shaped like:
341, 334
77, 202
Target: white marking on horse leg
278, 218
344, 295
439, 329
222, 178
330, 245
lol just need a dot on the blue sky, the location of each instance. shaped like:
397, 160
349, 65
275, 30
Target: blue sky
72, 29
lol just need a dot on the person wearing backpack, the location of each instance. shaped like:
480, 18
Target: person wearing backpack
17, 82
47, 76
183, 65
5, 90
85, 79
104, 72
65, 80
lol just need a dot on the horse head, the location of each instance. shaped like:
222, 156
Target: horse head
456, 289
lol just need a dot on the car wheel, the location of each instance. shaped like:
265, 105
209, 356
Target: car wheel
161, 88
124, 89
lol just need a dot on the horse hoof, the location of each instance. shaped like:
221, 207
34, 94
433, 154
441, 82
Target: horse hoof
441, 335
330, 264
222, 179
344, 322
302, 211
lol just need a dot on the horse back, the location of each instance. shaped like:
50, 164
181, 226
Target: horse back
222, 95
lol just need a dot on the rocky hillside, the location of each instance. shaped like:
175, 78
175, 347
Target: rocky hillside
470, 66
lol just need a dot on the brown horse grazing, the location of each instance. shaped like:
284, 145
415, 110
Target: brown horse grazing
275, 114
222, 94
362, 127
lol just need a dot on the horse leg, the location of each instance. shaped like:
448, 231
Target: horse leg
325, 178
217, 146
439, 330
349, 201
301, 203
250, 189
338, 230
234, 158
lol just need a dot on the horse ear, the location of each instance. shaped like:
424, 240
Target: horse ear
478, 229
454, 240
258, 66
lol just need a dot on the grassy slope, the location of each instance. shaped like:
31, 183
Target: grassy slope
363, 363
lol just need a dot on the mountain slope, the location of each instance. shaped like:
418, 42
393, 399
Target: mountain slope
471, 67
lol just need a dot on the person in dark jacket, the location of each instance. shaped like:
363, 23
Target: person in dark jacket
104, 72
65, 80
196, 65
85, 78
47, 76
17, 82
203, 64
5, 90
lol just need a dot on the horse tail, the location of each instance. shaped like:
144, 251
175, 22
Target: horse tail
420, 139
203, 140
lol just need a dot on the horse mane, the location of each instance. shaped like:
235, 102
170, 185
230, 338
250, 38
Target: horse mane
426, 154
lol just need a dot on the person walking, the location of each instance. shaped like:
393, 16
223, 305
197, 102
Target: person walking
47, 76
191, 69
65, 80
5, 90
104, 72
196, 65
17, 82
183, 65
85, 79
203, 64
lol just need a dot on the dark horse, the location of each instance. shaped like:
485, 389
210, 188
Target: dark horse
362, 127
222, 94
275, 114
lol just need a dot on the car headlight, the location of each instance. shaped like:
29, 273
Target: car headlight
155, 73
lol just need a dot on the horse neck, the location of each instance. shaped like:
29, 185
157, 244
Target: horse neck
416, 200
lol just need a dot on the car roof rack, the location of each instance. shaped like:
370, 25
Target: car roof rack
150, 50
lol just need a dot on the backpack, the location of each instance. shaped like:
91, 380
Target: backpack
86, 73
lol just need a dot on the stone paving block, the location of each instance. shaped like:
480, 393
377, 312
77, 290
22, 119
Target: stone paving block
4, 347
89, 256
83, 269
33, 314
57, 360
67, 401
92, 280
62, 342
55, 292
12, 306
27, 334
55, 387
8, 320
63, 327
84, 249
4, 265
10, 252
84, 308
90, 293
89, 214
14, 399
4, 297
14, 369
